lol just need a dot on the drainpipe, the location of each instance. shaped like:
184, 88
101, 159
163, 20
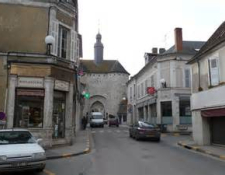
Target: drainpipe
199, 76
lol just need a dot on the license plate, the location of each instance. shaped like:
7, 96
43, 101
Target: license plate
19, 164
151, 135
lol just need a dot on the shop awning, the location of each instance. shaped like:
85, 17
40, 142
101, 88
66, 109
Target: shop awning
213, 112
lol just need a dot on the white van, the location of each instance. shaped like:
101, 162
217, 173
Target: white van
96, 119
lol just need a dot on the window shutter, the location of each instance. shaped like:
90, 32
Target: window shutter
187, 78
214, 71
73, 46
54, 33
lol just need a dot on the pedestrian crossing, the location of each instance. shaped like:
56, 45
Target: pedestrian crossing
109, 131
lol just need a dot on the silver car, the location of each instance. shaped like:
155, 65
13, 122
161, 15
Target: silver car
20, 151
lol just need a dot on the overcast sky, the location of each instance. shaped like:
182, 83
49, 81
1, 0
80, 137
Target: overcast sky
131, 28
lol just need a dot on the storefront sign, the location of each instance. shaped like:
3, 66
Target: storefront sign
30, 92
61, 85
30, 82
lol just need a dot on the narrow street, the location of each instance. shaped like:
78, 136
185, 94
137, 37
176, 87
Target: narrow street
114, 153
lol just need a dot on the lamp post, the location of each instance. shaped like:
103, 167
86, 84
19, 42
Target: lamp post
49, 41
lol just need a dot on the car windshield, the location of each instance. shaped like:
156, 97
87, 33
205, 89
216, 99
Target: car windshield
16, 137
97, 116
146, 125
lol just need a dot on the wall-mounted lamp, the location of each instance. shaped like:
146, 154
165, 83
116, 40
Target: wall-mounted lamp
49, 41
163, 83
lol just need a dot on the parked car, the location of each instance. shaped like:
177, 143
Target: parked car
144, 130
20, 151
96, 119
113, 121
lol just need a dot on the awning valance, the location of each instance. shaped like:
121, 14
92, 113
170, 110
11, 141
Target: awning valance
213, 112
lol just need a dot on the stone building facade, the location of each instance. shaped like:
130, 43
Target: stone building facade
208, 91
169, 75
105, 80
39, 81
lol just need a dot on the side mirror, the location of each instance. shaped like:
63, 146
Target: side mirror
39, 141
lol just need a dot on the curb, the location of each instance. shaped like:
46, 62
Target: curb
197, 149
86, 151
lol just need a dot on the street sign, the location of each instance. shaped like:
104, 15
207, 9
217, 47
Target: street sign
151, 90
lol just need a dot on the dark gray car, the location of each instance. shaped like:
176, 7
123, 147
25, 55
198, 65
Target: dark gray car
144, 130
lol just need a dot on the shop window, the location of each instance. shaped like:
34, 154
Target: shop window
59, 108
166, 108
185, 112
29, 108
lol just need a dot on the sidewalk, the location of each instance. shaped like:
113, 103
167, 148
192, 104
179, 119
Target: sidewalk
215, 151
81, 145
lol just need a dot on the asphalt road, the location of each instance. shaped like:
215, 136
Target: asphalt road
114, 153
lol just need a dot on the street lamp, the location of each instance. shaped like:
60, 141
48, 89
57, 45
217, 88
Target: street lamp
124, 98
49, 40
163, 82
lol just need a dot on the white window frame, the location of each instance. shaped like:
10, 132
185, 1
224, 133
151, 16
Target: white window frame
60, 42
214, 70
185, 78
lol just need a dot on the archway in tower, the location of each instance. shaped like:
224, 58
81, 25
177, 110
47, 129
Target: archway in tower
98, 107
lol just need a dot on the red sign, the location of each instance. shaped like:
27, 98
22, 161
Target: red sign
151, 90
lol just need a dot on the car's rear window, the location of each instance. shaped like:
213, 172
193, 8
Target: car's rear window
16, 137
146, 125
97, 116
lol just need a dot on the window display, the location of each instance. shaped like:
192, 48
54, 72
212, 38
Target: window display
29, 108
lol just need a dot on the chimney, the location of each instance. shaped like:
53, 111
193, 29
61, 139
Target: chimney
162, 50
178, 39
155, 50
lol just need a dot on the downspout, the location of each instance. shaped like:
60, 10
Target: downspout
199, 77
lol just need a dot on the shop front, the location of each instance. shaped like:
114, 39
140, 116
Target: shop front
43, 106
216, 120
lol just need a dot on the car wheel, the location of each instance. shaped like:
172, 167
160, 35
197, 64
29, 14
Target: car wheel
158, 139
117, 125
40, 169
136, 137
109, 125
130, 135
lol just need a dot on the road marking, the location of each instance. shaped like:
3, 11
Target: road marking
195, 147
101, 131
93, 132
222, 157
48, 172
66, 155
109, 131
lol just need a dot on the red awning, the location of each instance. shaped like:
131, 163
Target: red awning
213, 112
